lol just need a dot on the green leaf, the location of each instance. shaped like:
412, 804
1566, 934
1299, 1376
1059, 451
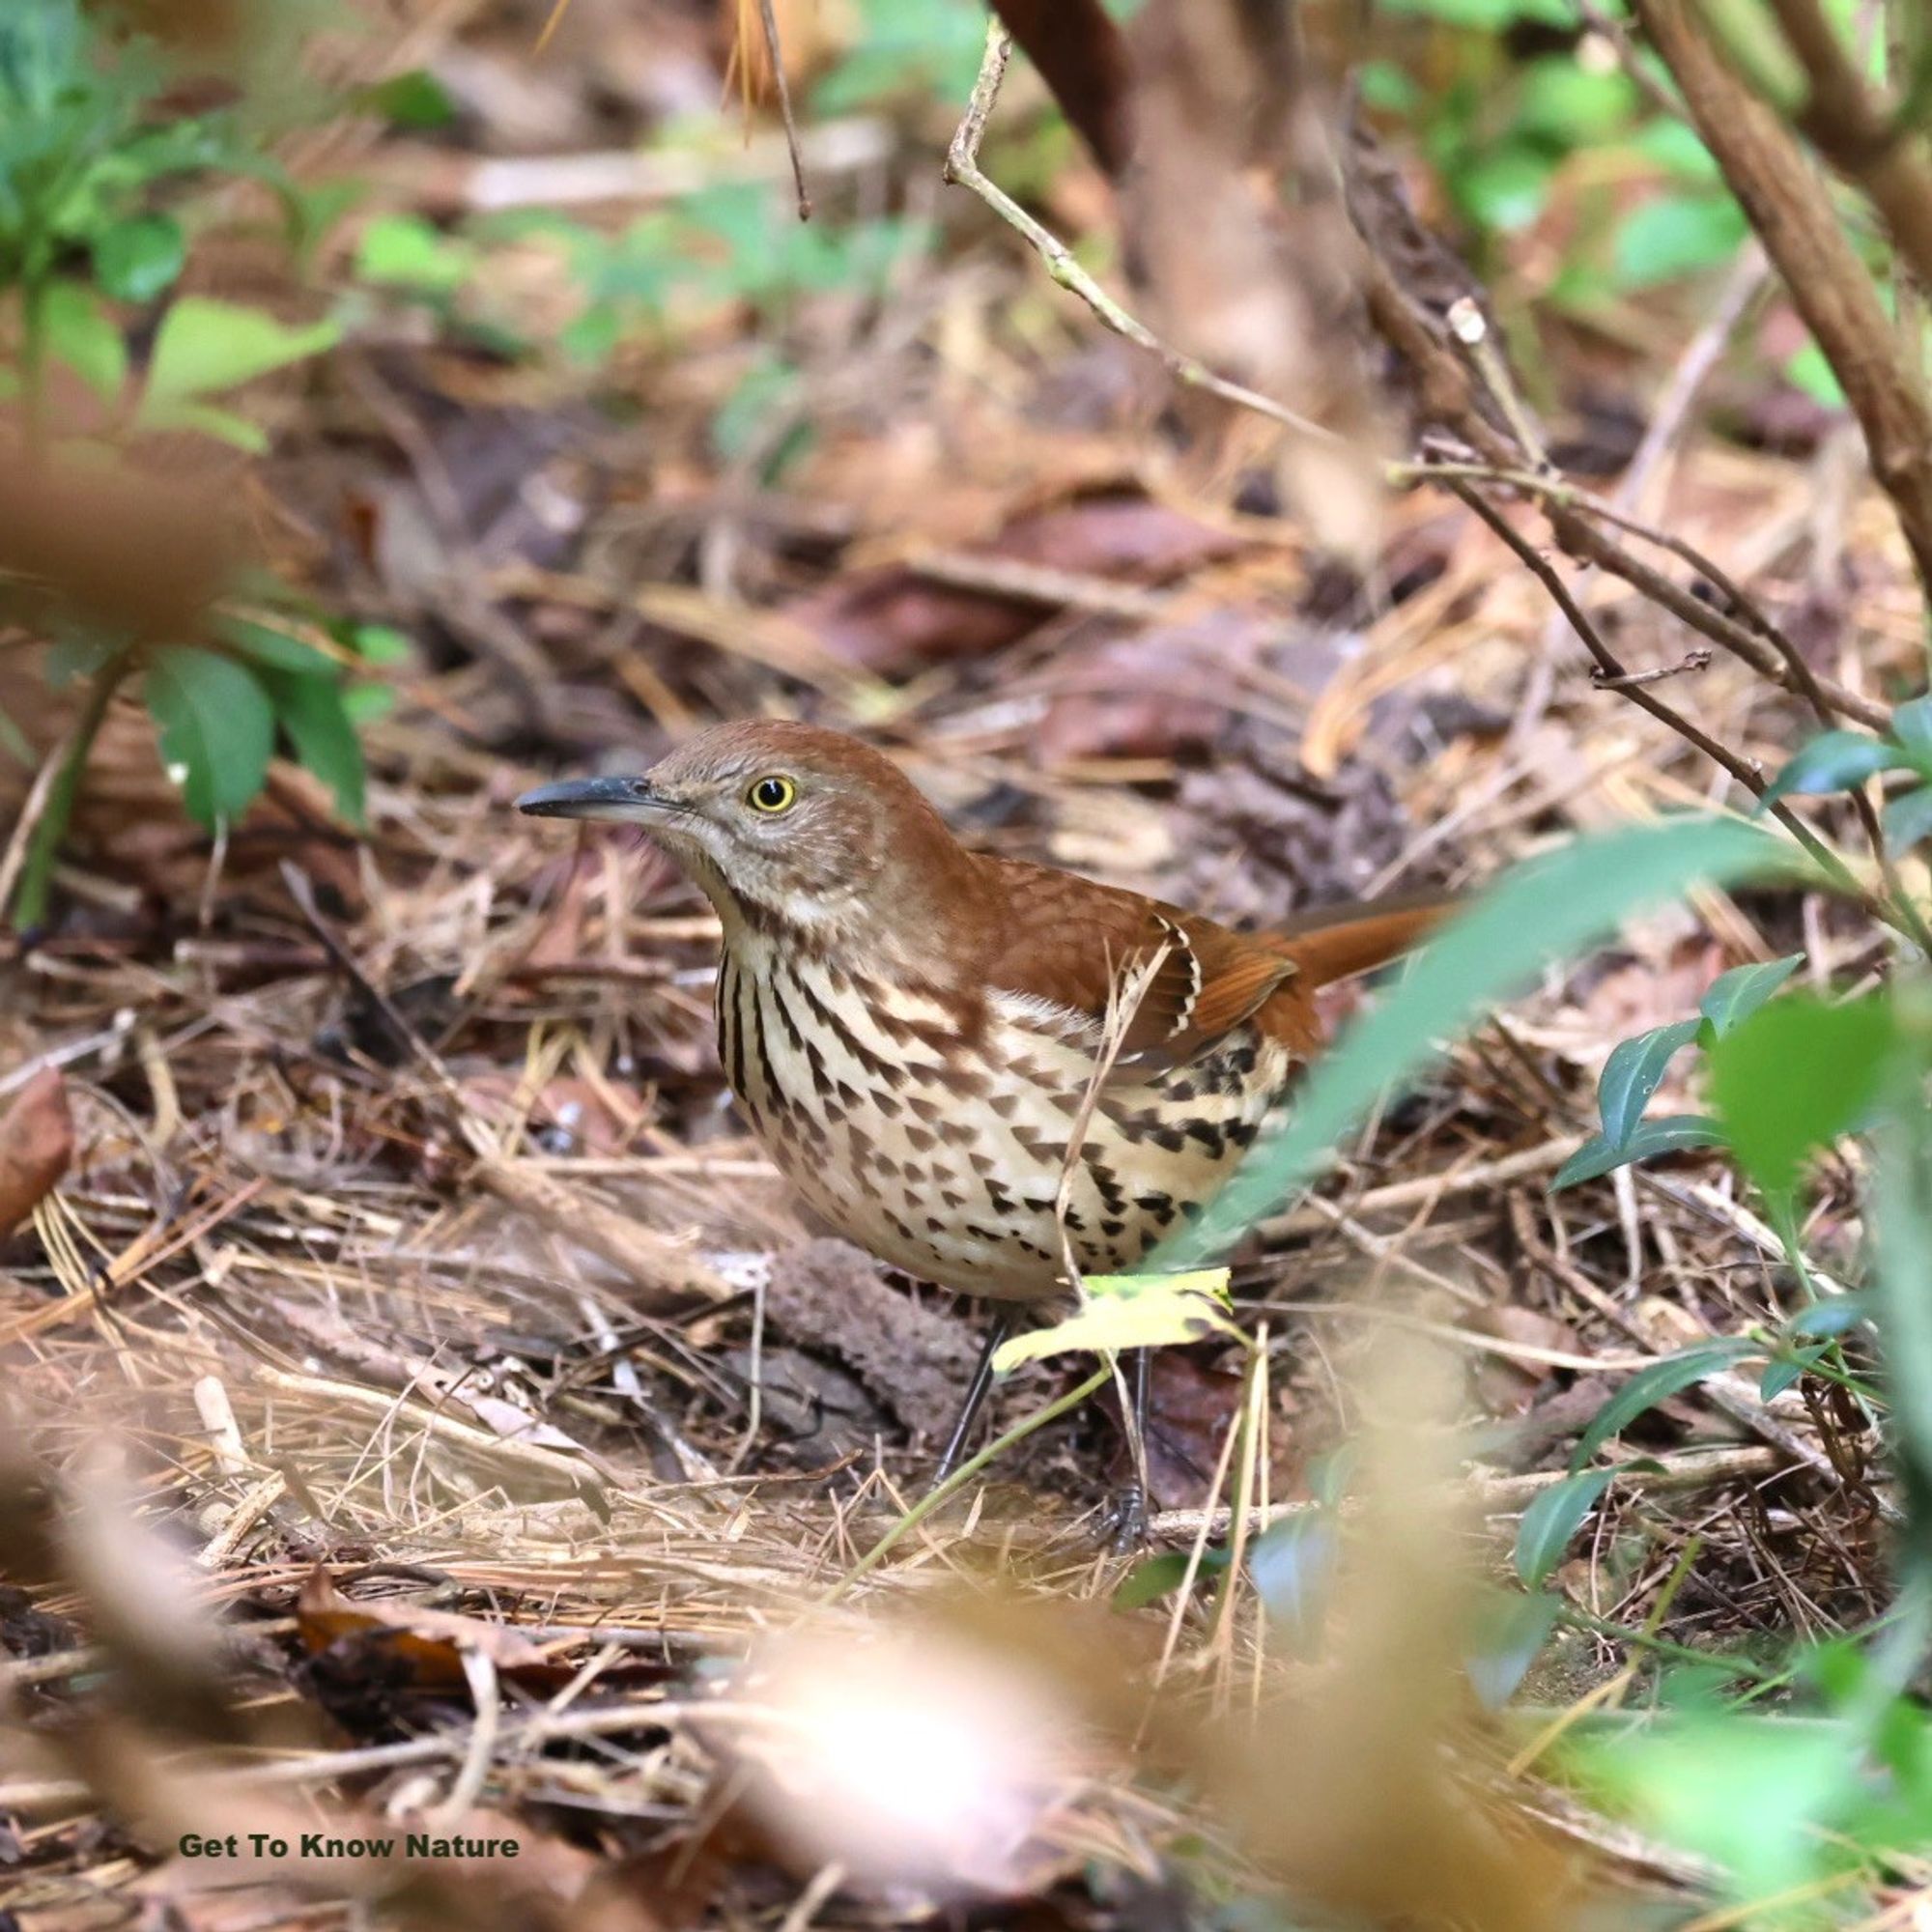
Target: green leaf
1487, 15
1675, 147
312, 712
405, 251
1290, 1564
138, 259
1570, 105
1795, 1076
1507, 189
1782, 1371
1911, 726
1553, 1517
1130, 1311
380, 644
218, 728
1837, 1317
415, 100
1902, 1213
1634, 1072
1834, 761
83, 336
1551, 907
1907, 820
276, 649
1657, 1383
1511, 1629
1746, 1793
1677, 235
1809, 369
204, 419
1160, 1576
1671, 1133
205, 347
1735, 996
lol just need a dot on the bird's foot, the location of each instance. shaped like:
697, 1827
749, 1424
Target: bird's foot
1124, 1524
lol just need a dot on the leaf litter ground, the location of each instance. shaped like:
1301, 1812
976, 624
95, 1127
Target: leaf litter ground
414, 1283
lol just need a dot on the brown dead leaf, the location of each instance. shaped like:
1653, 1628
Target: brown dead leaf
1152, 693
35, 1147
1190, 1408
430, 1643
892, 617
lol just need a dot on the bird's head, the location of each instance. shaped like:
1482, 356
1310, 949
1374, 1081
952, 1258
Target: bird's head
785, 827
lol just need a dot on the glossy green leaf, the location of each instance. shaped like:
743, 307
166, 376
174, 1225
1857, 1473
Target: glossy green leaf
1547, 909
1634, 1072
1511, 1629
1785, 1371
218, 728
1130, 1311
1834, 762
1837, 1317
1161, 1574
1657, 1383
1736, 995
276, 649
1291, 1563
1671, 1133
311, 711
140, 258
1792, 1078
1553, 1517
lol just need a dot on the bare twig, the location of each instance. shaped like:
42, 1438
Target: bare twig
1510, 1496
962, 167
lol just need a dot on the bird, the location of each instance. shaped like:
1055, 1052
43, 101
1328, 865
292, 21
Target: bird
914, 1030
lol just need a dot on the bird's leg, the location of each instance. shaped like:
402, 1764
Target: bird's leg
1129, 1510
975, 1394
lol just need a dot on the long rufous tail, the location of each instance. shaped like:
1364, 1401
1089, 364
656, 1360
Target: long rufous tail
1332, 943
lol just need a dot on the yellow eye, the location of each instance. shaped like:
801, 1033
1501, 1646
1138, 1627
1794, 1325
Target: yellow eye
771, 794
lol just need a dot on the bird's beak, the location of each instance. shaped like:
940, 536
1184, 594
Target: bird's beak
630, 800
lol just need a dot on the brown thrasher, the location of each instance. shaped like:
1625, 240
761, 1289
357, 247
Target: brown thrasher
914, 1028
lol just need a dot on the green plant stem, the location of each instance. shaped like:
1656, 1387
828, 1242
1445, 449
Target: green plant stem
1661, 1646
966, 1471
1783, 1212
30, 902
34, 365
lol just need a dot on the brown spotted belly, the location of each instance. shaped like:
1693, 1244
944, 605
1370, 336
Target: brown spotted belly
946, 1161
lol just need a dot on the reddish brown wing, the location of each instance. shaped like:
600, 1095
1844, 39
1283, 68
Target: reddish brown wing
1069, 941
1072, 942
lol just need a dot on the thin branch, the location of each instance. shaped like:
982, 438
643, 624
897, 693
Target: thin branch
1614, 672
1791, 211
767, 16
962, 167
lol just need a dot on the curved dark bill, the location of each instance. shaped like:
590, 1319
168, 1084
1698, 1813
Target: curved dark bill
590, 798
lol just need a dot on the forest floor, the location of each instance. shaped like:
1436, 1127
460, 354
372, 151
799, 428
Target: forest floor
416, 1278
